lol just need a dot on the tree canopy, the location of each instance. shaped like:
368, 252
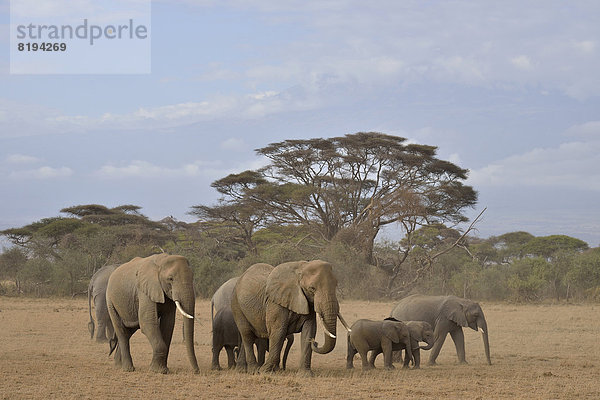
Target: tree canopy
361, 181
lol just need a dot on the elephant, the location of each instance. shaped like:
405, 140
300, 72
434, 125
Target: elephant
379, 336
420, 331
225, 333
274, 302
144, 294
446, 314
97, 293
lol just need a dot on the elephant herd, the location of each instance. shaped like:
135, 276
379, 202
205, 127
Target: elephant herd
262, 309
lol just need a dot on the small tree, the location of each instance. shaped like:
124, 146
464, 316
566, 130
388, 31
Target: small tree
12, 262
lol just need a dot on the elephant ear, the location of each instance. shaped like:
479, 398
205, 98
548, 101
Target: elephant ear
390, 331
148, 281
454, 311
416, 332
283, 287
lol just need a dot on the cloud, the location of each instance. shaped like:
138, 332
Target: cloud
589, 129
234, 144
586, 46
396, 42
144, 169
248, 106
147, 170
522, 63
21, 159
570, 165
42, 173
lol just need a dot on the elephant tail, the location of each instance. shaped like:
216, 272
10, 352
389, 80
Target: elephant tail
113, 343
91, 326
212, 314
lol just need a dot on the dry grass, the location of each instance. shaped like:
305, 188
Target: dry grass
545, 352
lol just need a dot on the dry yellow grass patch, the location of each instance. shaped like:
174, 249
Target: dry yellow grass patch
538, 351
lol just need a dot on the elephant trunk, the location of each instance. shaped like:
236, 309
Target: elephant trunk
329, 322
409, 353
428, 347
482, 326
188, 331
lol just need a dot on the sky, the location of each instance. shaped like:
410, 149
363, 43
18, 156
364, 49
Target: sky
509, 90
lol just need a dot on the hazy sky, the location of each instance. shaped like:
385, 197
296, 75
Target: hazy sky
508, 89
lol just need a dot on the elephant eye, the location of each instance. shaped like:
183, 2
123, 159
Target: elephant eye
170, 279
312, 289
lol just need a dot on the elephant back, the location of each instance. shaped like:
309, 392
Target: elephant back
221, 300
99, 280
418, 307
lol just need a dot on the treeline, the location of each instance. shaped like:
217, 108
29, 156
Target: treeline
57, 256
316, 198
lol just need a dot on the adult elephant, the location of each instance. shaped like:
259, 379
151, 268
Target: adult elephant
274, 302
225, 333
446, 314
97, 294
144, 294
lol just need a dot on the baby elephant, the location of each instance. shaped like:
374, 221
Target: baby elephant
380, 337
420, 331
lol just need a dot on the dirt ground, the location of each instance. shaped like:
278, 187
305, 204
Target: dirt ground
538, 352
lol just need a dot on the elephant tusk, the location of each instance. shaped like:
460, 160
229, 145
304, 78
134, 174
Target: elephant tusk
344, 323
481, 330
319, 318
181, 310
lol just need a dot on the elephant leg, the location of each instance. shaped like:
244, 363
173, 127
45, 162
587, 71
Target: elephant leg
276, 339
459, 342
240, 362
373, 356
350, 355
288, 345
307, 335
101, 318
262, 345
247, 358
153, 329
216, 350
122, 352
440, 337
417, 357
364, 358
386, 348
230, 357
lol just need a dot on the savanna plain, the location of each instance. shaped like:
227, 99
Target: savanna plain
538, 351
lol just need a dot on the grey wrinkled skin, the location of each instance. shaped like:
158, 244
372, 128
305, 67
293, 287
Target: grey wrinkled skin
274, 302
97, 295
379, 337
420, 331
446, 314
141, 294
225, 333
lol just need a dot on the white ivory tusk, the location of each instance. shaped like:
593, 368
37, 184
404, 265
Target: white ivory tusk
324, 328
181, 310
481, 330
344, 323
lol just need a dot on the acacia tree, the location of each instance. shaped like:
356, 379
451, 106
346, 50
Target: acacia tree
235, 212
351, 186
75, 246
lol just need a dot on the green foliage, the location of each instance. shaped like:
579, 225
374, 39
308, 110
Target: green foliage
526, 279
547, 246
583, 278
57, 256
